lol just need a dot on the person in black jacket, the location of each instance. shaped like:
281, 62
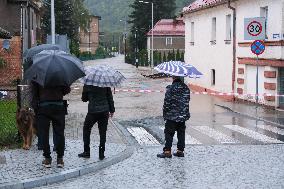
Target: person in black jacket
175, 113
51, 108
100, 108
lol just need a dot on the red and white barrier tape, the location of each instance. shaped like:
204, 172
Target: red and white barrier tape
196, 93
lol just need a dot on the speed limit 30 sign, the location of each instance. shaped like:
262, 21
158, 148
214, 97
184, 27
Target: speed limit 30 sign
254, 28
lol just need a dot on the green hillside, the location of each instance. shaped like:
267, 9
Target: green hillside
112, 11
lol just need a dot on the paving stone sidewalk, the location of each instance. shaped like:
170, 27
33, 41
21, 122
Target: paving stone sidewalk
21, 166
203, 167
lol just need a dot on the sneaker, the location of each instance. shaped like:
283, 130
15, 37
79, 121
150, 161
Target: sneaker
165, 154
84, 155
47, 162
60, 163
179, 153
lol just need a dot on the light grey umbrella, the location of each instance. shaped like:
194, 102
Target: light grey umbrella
102, 76
55, 68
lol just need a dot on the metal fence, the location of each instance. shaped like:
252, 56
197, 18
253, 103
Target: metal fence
11, 98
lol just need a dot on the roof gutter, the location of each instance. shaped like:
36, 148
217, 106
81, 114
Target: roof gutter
234, 45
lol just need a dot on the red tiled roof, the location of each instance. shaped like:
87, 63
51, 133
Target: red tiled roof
168, 27
201, 4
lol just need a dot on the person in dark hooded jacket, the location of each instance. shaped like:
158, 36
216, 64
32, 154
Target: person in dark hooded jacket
175, 113
100, 108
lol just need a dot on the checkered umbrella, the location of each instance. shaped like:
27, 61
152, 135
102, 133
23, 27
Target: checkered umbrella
102, 76
178, 68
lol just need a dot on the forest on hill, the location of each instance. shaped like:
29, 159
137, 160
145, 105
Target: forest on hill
114, 12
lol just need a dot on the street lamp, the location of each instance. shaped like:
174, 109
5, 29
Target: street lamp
124, 38
146, 2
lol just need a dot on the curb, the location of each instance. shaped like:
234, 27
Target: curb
76, 172
250, 116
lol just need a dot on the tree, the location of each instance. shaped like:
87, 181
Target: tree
164, 57
178, 56
182, 56
160, 58
69, 15
141, 18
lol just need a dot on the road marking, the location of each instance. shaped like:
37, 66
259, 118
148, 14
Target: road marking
252, 134
188, 139
142, 136
271, 129
218, 136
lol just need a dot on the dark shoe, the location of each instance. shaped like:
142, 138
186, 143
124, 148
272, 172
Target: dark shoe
84, 155
60, 163
165, 154
179, 153
47, 162
101, 153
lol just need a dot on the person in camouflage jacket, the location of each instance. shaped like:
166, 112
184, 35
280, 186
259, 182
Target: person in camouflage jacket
175, 113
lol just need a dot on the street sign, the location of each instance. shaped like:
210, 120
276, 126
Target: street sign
257, 47
254, 28
6, 44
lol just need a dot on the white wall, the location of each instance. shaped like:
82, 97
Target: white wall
251, 8
205, 56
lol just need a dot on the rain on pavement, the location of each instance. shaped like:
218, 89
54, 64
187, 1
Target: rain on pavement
141, 113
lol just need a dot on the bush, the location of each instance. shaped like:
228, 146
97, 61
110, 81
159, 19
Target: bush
100, 54
8, 129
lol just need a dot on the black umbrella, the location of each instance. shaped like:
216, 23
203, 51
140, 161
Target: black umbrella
55, 68
30, 53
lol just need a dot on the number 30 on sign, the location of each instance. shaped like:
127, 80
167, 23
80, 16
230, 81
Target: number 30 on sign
254, 28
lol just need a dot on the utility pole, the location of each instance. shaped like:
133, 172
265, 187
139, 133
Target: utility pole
136, 49
52, 23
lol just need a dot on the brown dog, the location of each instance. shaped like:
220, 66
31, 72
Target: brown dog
25, 122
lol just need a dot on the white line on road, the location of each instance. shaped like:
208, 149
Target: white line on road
218, 136
271, 129
142, 136
188, 139
252, 134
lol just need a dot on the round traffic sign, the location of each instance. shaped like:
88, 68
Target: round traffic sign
257, 47
254, 28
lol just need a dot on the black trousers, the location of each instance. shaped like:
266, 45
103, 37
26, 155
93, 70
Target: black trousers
54, 114
170, 128
90, 120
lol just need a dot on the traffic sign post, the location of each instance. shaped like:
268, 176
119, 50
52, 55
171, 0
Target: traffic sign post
254, 28
257, 48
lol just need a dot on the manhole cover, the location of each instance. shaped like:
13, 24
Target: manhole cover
2, 159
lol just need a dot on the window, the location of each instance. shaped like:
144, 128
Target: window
213, 77
228, 29
264, 13
213, 32
169, 40
192, 33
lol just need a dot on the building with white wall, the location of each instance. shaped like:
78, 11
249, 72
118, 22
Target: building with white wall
230, 66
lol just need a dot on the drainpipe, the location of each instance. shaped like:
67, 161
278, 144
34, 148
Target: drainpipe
29, 25
234, 45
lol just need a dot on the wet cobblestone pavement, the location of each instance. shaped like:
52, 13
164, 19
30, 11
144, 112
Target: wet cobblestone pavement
219, 166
